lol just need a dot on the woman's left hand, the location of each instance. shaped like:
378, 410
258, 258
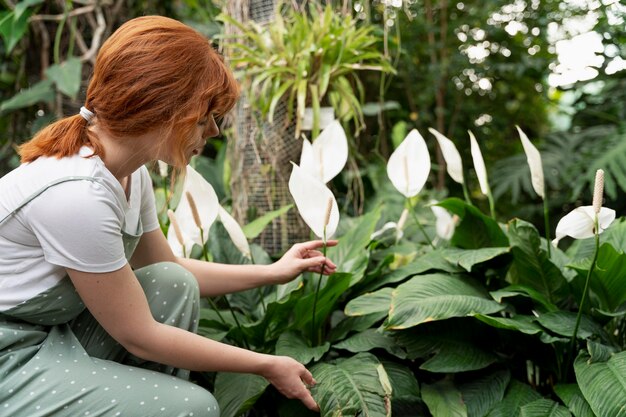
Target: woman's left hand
303, 257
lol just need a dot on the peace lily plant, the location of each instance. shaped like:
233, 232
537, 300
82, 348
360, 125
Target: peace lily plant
454, 163
481, 172
319, 210
536, 174
328, 154
585, 222
408, 168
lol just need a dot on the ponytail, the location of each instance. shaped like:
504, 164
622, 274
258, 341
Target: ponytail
61, 138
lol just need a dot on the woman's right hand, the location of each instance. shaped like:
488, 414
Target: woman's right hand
291, 379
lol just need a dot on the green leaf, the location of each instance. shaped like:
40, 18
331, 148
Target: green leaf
42, 91
573, 398
483, 393
293, 345
607, 290
523, 324
66, 76
467, 258
255, 227
443, 399
237, 393
431, 261
603, 383
563, 323
350, 254
371, 339
517, 395
475, 230
403, 382
355, 324
525, 291
335, 287
21, 7
531, 266
449, 346
544, 408
374, 302
433, 297
352, 386
13, 28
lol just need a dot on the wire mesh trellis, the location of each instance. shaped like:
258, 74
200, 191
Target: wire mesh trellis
261, 155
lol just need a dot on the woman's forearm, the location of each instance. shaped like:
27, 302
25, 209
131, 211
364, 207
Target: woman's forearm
218, 279
182, 349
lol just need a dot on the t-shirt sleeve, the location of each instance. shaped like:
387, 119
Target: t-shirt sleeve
149, 219
78, 225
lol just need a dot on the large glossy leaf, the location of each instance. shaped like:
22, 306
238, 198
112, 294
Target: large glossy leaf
293, 345
573, 398
66, 76
374, 302
237, 393
563, 323
355, 324
524, 291
531, 266
355, 386
253, 229
449, 346
351, 255
403, 382
607, 289
475, 229
516, 396
42, 91
371, 339
544, 408
483, 393
433, 297
523, 324
444, 399
467, 258
603, 383
431, 261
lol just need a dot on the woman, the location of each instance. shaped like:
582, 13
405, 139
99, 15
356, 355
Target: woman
78, 228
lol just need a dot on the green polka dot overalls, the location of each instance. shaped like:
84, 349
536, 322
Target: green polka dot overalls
56, 360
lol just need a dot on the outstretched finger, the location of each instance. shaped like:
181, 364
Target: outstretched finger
309, 402
315, 244
307, 378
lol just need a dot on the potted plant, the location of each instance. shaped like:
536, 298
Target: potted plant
307, 59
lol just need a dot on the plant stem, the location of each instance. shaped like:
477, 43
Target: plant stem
205, 255
468, 200
546, 219
492, 208
314, 339
258, 288
419, 225
585, 291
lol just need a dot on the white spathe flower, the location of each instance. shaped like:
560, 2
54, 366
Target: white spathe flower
206, 203
179, 241
479, 165
409, 165
234, 231
580, 223
445, 223
454, 164
534, 162
328, 154
315, 202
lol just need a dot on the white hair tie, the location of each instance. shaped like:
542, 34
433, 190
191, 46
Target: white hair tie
86, 114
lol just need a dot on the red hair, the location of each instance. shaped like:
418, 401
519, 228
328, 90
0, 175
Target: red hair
153, 72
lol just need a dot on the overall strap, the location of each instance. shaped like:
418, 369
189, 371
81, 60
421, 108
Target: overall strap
44, 188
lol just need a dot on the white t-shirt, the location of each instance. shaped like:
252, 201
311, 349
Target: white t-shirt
74, 224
